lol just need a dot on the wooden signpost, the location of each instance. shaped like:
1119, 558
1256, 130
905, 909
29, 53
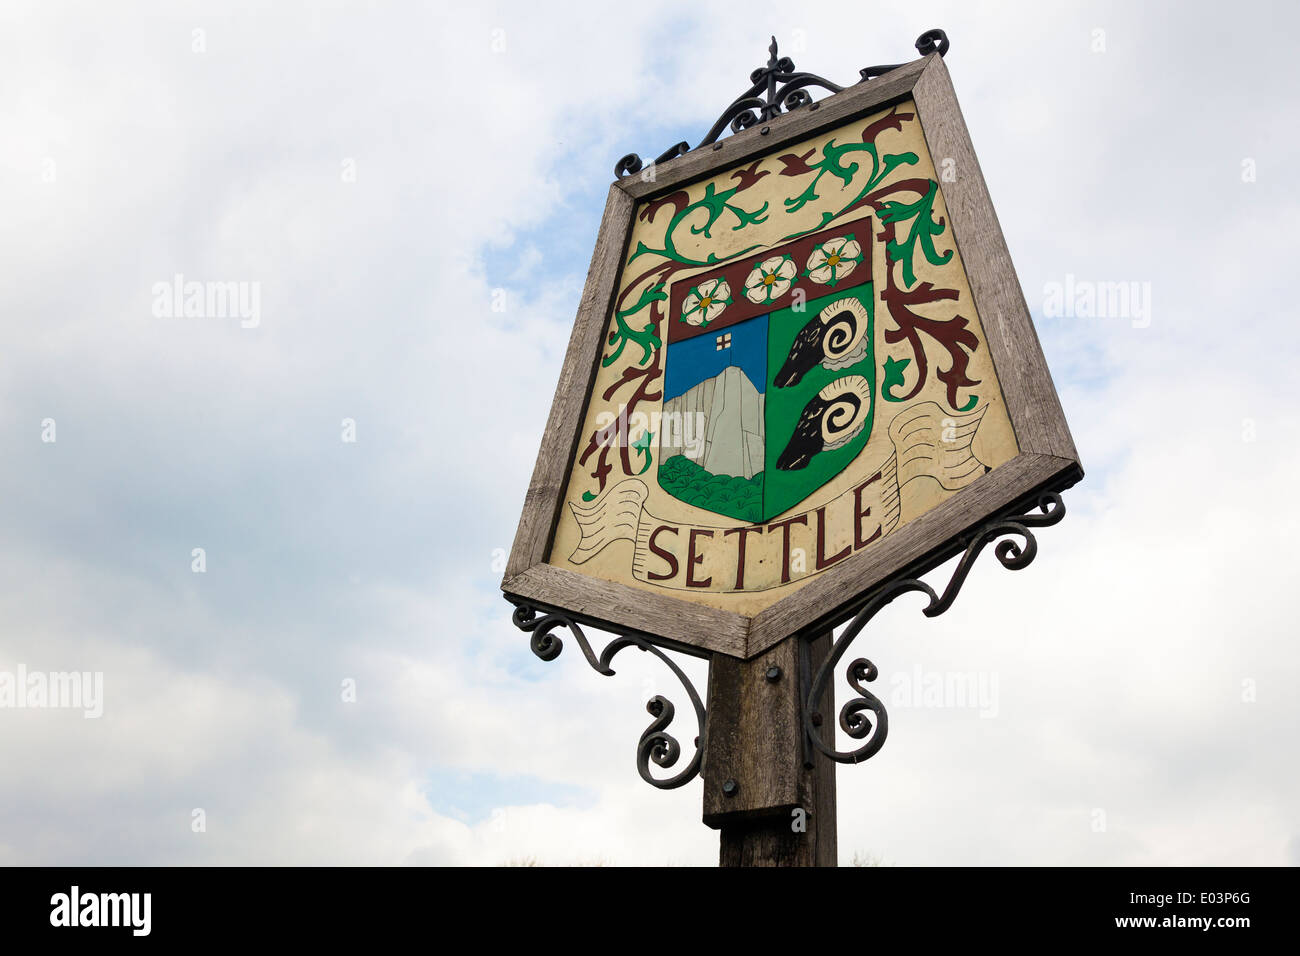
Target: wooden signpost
802, 374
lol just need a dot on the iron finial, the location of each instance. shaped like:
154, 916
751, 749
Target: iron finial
777, 88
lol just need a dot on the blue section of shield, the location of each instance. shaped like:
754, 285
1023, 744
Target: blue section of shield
702, 357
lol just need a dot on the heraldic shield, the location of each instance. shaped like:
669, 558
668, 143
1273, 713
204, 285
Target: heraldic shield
770, 375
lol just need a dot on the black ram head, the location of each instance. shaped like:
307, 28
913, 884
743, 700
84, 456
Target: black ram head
805, 353
807, 438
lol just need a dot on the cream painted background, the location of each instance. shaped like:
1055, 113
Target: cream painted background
994, 443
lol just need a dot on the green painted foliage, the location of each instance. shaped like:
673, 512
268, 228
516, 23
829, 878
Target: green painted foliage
924, 229
729, 495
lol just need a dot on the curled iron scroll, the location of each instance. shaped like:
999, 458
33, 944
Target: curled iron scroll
656, 744
853, 716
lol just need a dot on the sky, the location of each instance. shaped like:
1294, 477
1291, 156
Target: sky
407, 198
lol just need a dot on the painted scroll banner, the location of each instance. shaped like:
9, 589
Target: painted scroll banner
675, 554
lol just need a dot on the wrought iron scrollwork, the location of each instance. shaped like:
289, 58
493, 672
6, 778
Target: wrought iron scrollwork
656, 745
631, 163
776, 88
853, 716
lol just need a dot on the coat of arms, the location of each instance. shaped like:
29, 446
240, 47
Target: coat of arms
769, 377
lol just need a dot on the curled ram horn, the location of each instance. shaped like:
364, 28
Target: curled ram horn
831, 419
836, 338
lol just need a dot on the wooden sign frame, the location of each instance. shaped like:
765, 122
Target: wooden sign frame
1047, 459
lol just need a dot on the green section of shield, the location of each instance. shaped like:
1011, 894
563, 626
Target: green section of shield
783, 490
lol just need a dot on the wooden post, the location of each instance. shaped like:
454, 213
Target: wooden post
768, 791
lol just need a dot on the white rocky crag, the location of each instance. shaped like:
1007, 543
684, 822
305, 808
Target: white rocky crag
727, 410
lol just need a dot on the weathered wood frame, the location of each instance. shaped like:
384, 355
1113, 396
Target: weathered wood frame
1047, 459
